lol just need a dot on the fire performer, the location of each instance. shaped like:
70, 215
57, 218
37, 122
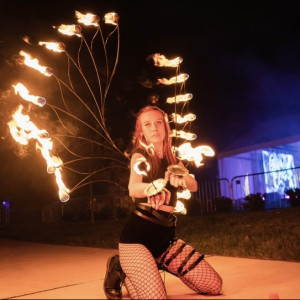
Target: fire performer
148, 242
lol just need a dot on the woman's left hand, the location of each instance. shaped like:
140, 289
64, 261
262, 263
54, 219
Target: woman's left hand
159, 199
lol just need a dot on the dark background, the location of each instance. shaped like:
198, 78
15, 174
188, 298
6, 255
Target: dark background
242, 58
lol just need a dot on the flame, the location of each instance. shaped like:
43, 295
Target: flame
186, 151
180, 207
180, 98
184, 135
63, 191
54, 46
34, 63
22, 130
176, 79
23, 92
53, 162
184, 194
161, 61
179, 119
69, 29
87, 19
141, 167
111, 18
148, 148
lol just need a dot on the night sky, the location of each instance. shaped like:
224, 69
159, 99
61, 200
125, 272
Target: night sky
242, 57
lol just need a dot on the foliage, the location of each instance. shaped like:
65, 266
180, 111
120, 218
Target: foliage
294, 197
193, 207
254, 202
223, 204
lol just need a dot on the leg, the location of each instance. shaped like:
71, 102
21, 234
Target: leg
143, 279
185, 262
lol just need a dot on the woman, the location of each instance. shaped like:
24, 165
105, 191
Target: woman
148, 241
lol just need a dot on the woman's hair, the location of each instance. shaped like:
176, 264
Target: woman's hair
139, 141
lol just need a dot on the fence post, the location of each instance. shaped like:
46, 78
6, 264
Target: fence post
92, 204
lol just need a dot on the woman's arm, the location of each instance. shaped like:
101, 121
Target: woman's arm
190, 181
136, 186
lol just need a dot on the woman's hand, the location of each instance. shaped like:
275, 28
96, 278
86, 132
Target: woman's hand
175, 180
159, 199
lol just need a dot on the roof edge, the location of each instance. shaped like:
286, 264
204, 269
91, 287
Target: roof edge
283, 141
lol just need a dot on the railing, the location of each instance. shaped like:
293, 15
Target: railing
272, 185
236, 189
208, 190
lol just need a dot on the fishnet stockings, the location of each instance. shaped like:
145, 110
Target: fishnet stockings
202, 278
143, 280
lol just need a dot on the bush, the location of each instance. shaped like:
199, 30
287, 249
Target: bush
254, 202
223, 204
193, 207
294, 196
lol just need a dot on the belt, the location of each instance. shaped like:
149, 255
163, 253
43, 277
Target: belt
156, 217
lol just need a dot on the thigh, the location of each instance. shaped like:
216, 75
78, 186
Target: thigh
142, 274
190, 266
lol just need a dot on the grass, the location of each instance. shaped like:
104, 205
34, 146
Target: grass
273, 235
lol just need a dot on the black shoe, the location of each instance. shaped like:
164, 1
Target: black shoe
114, 277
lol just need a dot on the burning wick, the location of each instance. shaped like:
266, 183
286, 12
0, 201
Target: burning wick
141, 167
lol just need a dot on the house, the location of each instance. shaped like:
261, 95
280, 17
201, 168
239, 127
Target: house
264, 160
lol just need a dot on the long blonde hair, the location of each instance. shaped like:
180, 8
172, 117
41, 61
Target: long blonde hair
138, 139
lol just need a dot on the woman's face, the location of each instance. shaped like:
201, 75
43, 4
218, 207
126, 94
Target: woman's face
153, 127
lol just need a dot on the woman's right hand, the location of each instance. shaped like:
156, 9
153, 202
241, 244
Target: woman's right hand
175, 180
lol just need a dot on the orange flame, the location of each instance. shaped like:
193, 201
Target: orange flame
148, 148
22, 130
180, 207
23, 92
69, 29
54, 46
141, 167
180, 98
176, 79
111, 18
184, 194
34, 63
184, 135
187, 152
179, 119
63, 190
87, 19
161, 61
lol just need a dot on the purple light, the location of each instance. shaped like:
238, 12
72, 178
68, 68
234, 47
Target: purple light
6, 204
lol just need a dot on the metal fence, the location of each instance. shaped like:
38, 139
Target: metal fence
118, 203
209, 190
271, 185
